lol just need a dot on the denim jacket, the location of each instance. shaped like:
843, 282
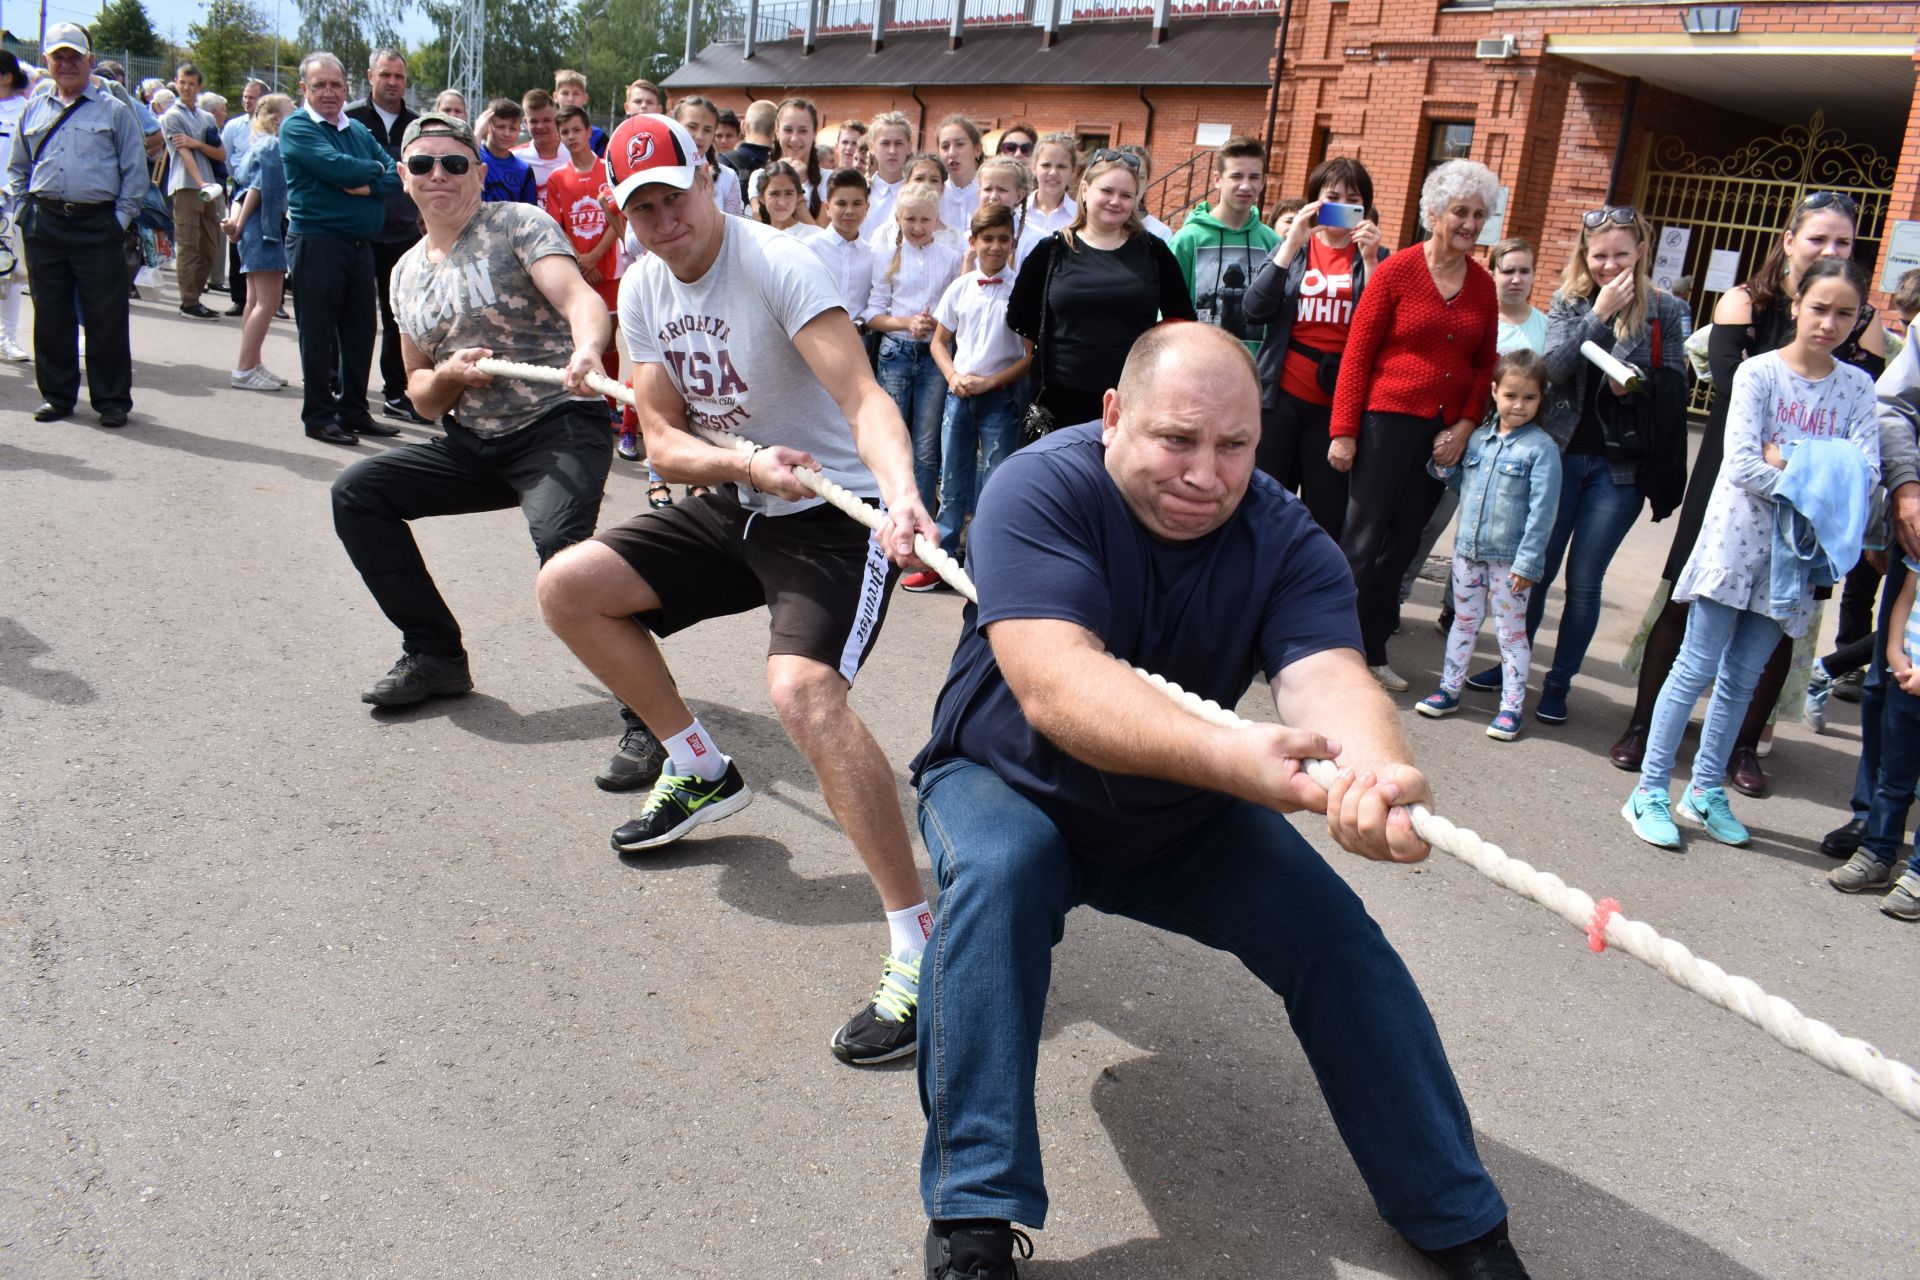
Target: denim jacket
1571, 322
1509, 490
261, 168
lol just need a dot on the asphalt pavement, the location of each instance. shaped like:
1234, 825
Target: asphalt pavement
297, 988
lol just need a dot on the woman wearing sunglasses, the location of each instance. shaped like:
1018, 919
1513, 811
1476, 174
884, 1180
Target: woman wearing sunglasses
1749, 320
1606, 297
1085, 293
1018, 140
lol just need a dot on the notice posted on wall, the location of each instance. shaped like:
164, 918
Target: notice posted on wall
1902, 254
1670, 260
1723, 270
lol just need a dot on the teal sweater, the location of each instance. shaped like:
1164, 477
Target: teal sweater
321, 163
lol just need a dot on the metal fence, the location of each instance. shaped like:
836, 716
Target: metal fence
787, 19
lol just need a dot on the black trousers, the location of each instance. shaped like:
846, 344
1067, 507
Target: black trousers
80, 258
1294, 437
333, 296
393, 367
1856, 602
1389, 499
554, 471
236, 279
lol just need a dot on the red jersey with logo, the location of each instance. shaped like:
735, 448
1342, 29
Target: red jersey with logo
573, 199
1324, 312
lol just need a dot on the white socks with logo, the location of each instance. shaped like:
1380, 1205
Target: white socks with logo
909, 930
691, 753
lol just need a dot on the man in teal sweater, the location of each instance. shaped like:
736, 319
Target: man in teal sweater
1222, 243
337, 178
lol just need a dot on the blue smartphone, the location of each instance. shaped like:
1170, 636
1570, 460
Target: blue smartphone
1340, 215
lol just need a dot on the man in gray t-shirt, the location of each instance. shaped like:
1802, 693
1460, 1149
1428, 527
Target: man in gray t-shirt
736, 327
196, 214
495, 280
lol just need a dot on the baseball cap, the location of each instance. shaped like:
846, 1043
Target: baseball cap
67, 35
650, 148
438, 124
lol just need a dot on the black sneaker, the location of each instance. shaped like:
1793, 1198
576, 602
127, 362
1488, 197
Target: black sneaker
1488, 1257
886, 1029
417, 677
402, 408
1847, 686
976, 1252
679, 803
636, 763
1487, 681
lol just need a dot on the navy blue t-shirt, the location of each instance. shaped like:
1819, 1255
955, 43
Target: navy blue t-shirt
1053, 538
509, 179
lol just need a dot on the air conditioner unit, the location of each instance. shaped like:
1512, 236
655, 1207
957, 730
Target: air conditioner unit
1494, 48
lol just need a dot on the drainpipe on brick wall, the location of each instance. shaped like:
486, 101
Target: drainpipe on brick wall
1620, 143
1273, 105
920, 128
1146, 134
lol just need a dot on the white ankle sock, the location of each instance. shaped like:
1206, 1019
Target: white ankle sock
691, 752
909, 930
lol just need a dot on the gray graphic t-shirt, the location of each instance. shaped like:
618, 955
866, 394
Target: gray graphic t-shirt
483, 295
726, 340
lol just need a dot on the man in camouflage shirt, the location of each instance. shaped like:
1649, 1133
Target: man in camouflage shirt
485, 280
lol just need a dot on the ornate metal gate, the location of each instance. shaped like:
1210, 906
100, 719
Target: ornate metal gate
1741, 203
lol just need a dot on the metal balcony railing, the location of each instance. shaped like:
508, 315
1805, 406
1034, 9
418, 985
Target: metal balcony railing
787, 19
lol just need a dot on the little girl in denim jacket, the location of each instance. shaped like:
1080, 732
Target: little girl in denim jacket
1509, 485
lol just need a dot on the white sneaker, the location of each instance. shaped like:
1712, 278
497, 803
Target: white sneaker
11, 350
1389, 679
255, 379
260, 368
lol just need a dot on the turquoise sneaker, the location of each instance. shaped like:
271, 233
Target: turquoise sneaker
1650, 814
1710, 809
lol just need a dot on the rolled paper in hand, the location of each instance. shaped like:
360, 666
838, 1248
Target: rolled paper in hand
1624, 374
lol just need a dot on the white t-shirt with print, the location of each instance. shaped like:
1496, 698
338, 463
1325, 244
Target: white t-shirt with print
726, 341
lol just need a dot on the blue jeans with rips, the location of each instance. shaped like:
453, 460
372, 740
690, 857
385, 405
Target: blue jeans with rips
1727, 648
987, 425
919, 389
1244, 882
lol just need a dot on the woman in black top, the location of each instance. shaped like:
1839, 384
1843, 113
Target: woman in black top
1085, 293
1749, 320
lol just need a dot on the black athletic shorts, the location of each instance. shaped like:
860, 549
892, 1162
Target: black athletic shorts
823, 577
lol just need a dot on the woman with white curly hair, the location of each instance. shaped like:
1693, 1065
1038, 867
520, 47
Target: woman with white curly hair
1414, 382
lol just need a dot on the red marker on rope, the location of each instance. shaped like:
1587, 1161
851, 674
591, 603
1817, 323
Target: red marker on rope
1603, 911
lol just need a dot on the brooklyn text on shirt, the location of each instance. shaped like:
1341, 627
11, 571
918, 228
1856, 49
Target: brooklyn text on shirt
1320, 302
695, 350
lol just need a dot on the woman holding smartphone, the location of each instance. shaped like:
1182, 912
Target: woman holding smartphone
1305, 295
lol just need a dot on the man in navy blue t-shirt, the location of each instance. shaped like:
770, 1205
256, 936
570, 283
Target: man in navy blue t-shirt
1056, 777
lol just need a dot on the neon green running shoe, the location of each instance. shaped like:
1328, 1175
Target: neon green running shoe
678, 803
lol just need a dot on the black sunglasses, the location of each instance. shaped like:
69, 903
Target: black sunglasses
422, 165
1009, 148
1126, 158
1830, 200
1624, 215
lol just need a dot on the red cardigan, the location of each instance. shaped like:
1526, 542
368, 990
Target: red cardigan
1411, 351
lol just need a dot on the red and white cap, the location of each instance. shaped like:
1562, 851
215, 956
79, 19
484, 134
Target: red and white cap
650, 148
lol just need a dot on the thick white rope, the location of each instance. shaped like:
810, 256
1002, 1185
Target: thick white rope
1893, 1080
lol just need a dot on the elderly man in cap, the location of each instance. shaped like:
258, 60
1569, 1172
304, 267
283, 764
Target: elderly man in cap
76, 178
485, 280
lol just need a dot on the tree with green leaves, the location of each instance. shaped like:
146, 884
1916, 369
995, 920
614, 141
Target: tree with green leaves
123, 27
350, 30
228, 41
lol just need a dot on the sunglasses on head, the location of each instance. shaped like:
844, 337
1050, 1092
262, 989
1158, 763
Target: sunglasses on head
1830, 200
1126, 158
422, 165
1624, 215
1011, 148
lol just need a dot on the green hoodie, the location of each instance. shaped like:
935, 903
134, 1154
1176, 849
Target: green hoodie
1219, 262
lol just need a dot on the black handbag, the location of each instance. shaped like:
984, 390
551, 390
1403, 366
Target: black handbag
1038, 420
1326, 364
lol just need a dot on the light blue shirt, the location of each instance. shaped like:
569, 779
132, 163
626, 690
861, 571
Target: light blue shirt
236, 137
96, 157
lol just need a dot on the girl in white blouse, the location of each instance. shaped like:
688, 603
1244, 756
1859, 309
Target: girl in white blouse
900, 309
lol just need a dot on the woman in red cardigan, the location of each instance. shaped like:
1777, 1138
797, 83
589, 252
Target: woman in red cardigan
1413, 383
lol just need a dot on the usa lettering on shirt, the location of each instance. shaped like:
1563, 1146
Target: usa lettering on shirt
697, 358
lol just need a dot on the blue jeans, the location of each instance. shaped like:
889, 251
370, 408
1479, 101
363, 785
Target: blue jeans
1873, 695
1594, 516
1899, 772
919, 389
1244, 882
987, 425
1727, 648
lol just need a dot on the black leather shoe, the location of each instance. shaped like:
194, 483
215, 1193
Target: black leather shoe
402, 408
199, 312
372, 428
417, 677
113, 417
1744, 772
50, 412
234, 311
1490, 1257
332, 435
1844, 841
1630, 750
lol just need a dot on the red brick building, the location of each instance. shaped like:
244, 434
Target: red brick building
1715, 118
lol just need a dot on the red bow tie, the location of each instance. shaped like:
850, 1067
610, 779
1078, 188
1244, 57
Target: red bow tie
989, 280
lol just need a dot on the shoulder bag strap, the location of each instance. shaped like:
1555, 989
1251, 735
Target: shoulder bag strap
34, 154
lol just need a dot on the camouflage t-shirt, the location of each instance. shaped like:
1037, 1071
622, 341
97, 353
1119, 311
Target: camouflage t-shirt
483, 295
